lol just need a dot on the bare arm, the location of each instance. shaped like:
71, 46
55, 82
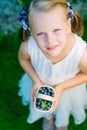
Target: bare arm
25, 62
79, 79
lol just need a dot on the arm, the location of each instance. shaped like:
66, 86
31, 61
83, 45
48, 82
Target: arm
25, 62
79, 79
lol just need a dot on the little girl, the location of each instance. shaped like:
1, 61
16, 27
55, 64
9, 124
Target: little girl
54, 54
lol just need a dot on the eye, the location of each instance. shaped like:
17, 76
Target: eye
56, 30
41, 33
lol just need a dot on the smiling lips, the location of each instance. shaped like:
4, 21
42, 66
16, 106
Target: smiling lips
52, 48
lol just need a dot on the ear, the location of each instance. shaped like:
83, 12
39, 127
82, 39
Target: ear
69, 25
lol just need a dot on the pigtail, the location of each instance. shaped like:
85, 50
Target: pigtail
76, 20
77, 24
24, 34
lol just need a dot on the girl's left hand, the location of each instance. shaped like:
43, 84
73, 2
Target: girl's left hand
58, 93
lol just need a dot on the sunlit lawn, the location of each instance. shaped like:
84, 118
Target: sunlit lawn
12, 114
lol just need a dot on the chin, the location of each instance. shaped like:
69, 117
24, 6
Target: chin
55, 54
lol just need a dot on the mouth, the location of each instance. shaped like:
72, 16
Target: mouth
52, 48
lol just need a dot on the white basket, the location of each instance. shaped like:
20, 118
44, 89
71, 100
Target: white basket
44, 98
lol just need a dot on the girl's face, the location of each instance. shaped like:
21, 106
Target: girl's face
51, 31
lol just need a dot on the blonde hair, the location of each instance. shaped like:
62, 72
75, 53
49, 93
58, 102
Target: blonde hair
47, 5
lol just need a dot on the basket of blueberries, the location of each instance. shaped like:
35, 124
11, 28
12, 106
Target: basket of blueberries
44, 98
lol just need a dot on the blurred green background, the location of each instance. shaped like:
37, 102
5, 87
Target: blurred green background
12, 114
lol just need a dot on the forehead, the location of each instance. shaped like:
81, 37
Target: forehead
49, 18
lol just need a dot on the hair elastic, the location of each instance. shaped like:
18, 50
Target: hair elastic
71, 10
23, 18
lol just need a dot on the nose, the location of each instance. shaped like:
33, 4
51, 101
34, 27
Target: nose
51, 39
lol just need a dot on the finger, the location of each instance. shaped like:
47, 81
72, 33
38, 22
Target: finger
53, 108
32, 96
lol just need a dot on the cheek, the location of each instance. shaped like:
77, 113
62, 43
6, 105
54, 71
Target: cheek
40, 42
60, 37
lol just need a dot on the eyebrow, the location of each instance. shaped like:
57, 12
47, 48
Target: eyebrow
40, 33
57, 29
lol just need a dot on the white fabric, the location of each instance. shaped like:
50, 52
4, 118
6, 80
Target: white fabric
73, 101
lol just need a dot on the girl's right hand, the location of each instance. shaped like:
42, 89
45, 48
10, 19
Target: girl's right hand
35, 87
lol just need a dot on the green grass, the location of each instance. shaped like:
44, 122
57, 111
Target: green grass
12, 114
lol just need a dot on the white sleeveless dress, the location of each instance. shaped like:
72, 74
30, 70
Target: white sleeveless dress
73, 101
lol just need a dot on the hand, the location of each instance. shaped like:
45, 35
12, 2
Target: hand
57, 95
33, 91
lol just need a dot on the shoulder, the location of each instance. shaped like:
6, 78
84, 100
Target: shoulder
83, 61
79, 39
24, 45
